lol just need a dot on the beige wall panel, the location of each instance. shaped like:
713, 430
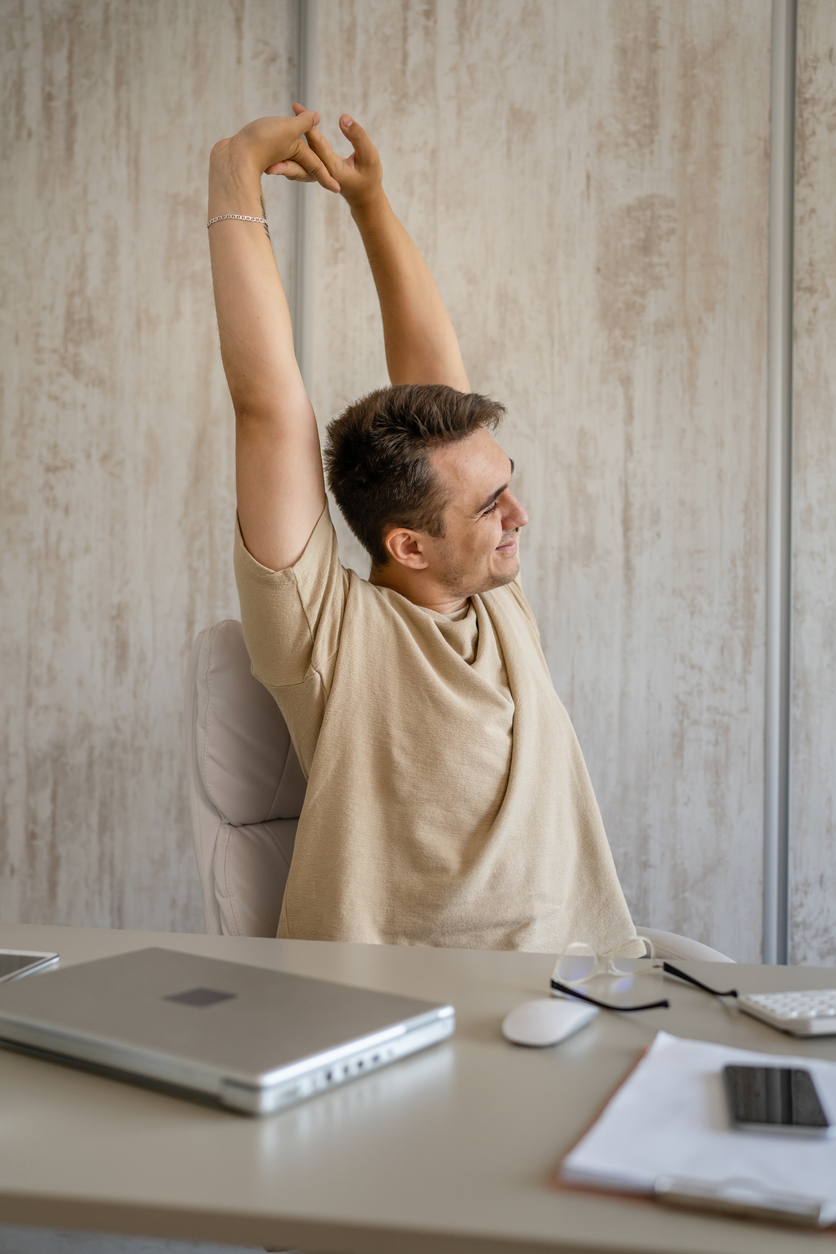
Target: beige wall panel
589, 184
813, 772
116, 442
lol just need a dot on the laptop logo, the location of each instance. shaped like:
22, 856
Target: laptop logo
200, 997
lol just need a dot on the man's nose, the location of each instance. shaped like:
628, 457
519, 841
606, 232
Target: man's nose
513, 516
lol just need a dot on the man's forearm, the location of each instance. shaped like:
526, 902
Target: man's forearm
421, 345
253, 316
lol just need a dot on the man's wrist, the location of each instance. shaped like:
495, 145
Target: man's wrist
234, 180
370, 208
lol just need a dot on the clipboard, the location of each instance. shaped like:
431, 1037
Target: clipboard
739, 1196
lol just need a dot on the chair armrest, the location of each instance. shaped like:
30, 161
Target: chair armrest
670, 945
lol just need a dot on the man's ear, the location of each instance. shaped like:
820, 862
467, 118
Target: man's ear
406, 547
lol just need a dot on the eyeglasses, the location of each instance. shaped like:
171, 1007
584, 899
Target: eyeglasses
581, 963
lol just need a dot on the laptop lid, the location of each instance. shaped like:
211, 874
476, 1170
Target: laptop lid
246, 1036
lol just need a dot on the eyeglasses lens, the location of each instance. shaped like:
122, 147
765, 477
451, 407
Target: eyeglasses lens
575, 968
627, 966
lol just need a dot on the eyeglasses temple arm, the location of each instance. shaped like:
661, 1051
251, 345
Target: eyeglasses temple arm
671, 970
651, 1005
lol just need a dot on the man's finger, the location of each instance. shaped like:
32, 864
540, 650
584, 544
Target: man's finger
314, 167
319, 144
306, 119
291, 170
359, 140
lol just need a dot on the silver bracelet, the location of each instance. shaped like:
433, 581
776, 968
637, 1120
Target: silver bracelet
239, 217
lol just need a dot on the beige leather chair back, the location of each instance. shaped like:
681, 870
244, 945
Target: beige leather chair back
246, 786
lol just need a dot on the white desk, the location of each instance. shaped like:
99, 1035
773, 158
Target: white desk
449, 1151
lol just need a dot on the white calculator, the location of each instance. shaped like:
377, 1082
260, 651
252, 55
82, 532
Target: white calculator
810, 1013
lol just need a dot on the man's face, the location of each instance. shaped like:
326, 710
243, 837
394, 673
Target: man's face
479, 548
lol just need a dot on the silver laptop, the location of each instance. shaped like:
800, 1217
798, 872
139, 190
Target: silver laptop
246, 1037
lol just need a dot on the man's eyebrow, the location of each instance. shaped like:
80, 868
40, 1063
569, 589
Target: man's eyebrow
495, 495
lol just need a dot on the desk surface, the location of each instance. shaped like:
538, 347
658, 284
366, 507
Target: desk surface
450, 1150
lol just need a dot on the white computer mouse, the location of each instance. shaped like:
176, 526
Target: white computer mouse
546, 1021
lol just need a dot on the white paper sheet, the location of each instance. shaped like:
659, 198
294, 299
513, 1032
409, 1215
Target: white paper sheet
669, 1118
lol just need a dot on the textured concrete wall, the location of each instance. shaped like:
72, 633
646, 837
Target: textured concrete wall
116, 498
589, 184
813, 778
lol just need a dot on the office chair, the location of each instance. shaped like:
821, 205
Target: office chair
245, 783
247, 788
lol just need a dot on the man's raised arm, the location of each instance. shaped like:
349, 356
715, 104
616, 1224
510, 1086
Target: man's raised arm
421, 345
279, 477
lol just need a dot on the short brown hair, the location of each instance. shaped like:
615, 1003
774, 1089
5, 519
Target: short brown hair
377, 457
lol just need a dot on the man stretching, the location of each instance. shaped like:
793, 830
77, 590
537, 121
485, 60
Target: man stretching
448, 802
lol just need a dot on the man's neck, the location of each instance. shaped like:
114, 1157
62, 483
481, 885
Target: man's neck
426, 593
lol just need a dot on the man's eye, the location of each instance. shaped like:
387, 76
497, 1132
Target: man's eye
489, 510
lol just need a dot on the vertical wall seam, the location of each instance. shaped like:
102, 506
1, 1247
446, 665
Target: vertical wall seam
779, 484
305, 203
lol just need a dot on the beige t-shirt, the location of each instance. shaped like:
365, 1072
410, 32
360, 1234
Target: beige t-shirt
448, 802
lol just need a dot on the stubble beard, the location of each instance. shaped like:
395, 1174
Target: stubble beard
459, 583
